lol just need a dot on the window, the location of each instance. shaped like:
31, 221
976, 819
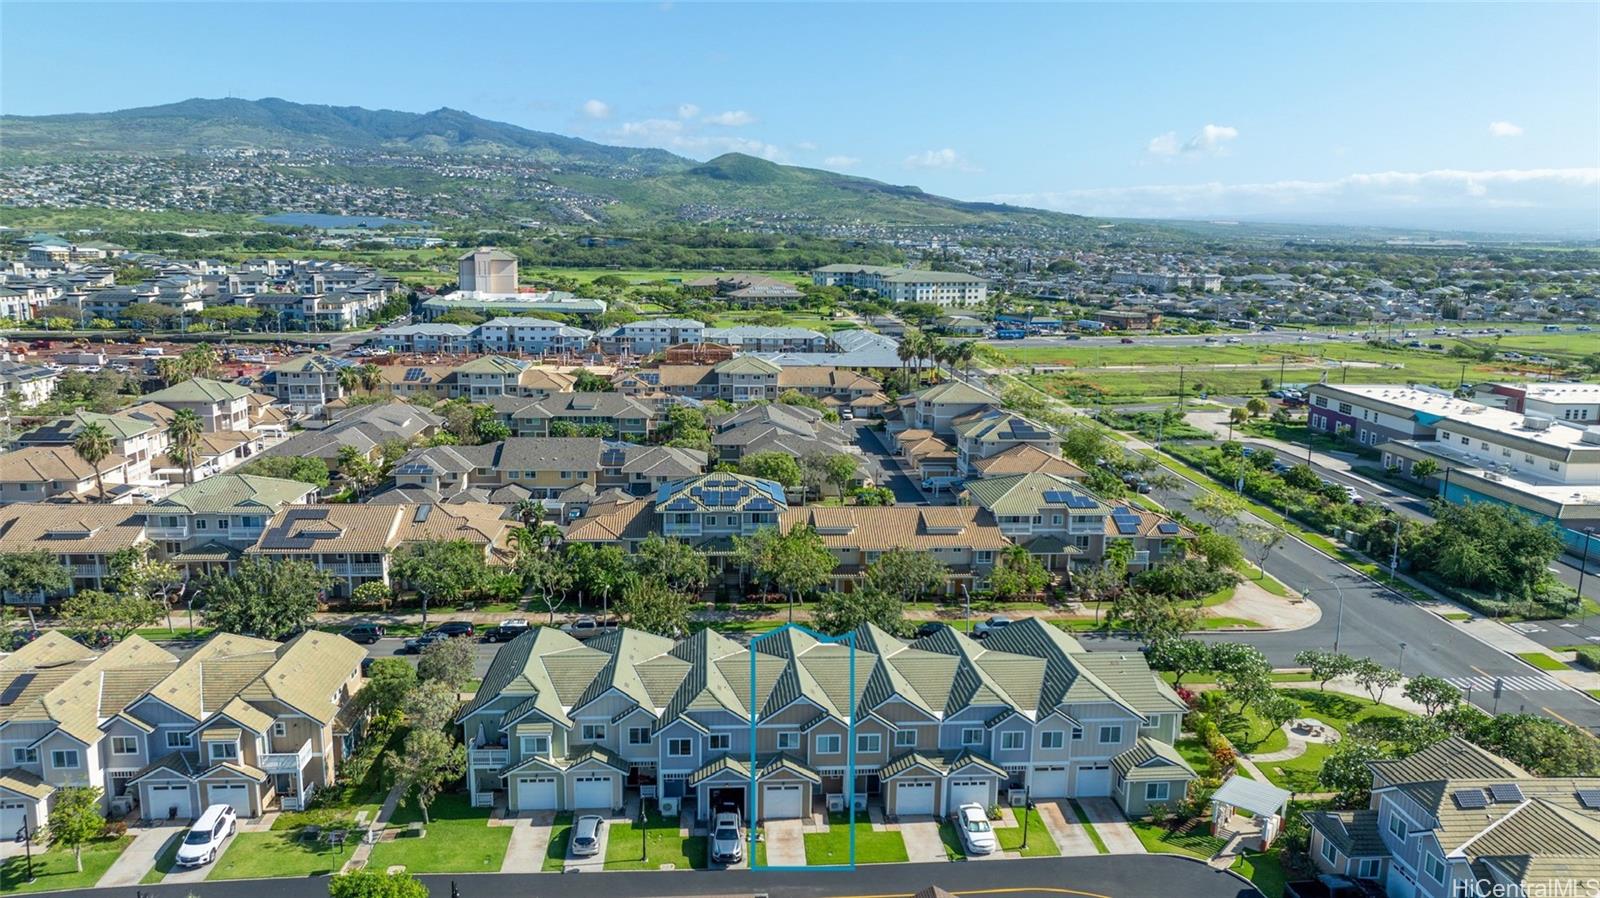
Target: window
24, 756
1110, 735
124, 745
1157, 791
1329, 853
828, 745
679, 748
280, 728
985, 556
1077, 734
638, 735
905, 738
1367, 869
1151, 721
1397, 827
869, 743
178, 740
719, 742
1344, 408
1011, 741
594, 732
789, 741
1050, 739
972, 737
1434, 868
224, 751
64, 759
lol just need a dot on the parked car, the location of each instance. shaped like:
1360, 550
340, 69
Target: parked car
727, 842
847, 414
589, 627
984, 628
453, 628
928, 629
507, 630
586, 835
204, 839
1126, 340
416, 645
977, 836
366, 634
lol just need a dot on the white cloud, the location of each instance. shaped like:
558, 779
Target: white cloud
1492, 188
733, 118
688, 110
841, 162
679, 136
1505, 129
597, 109
1211, 139
651, 129
945, 158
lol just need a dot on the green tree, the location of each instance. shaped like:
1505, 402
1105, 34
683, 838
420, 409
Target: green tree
93, 444
1434, 694
448, 661
547, 576
799, 563
389, 681
652, 605
586, 381
842, 611
269, 599
1218, 549
441, 570
1179, 656
1218, 508
1487, 547
1151, 617
372, 594
1256, 407
778, 466
357, 469
1325, 665
183, 437
427, 760
1017, 574
430, 706
1345, 771
1242, 671
372, 884
75, 819
33, 574
1261, 539
313, 471
673, 562
597, 570
907, 575
1375, 678
90, 611
1424, 468
1541, 746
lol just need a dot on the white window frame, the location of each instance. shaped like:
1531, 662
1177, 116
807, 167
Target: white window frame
1051, 739
1110, 728
868, 743
117, 741
1150, 790
1011, 740
179, 739
59, 755
594, 732
280, 728
788, 740
1368, 867
968, 739
719, 742
1329, 852
905, 738
829, 744
1429, 861
634, 735
24, 755
674, 744
232, 756
1398, 826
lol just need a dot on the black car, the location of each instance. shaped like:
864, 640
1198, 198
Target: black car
454, 628
366, 634
507, 631
928, 629
366, 665
415, 646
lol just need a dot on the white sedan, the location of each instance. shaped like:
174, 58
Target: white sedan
977, 836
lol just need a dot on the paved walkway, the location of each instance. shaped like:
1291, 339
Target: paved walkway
921, 835
1062, 824
363, 850
1111, 825
1252, 602
139, 857
786, 843
530, 840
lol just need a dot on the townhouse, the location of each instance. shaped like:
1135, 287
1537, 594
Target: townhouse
794, 724
306, 382
251, 723
356, 543
756, 338
1025, 459
791, 429
448, 339
751, 378
218, 404
40, 473
365, 427
937, 408
82, 538
531, 336
650, 335
137, 441
1455, 819
1068, 527
545, 467
207, 525
966, 539
626, 417
27, 385
982, 434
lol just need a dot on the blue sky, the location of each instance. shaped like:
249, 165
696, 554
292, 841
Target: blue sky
1476, 115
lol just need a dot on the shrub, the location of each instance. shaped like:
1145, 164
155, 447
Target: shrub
1589, 656
115, 829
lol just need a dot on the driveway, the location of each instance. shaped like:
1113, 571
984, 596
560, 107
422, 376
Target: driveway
1064, 828
530, 839
1111, 825
875, 447
139, 857
196, 874
921, 835
595, 862
786, 843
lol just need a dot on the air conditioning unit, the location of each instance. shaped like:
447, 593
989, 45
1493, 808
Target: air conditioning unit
1017, 797
121, 805
668, 806
836, 803
860, 803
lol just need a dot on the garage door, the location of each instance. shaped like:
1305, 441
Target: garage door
236, 795
1047, 782
913, 798
1094, 780
782, 801
969, 792
536, 793
593, 792
164, 798
12, 815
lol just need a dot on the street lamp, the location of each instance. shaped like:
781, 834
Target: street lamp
1027, 813
25, 836
1402, 659
1583, 566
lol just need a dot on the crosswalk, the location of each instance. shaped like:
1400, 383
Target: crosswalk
1527, 683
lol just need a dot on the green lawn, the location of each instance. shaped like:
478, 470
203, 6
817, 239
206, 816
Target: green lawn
1457, 616
55, 868
952, 841
166, 861
459, 839
277, 855
1337, 710
1088, 828
833, 846
555, 856
1543, 661
1193, 751
1252, 735
666, 846
1265, 870
1197, 842
1224, 622
1040, 844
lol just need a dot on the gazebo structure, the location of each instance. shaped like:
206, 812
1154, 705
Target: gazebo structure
1250, 810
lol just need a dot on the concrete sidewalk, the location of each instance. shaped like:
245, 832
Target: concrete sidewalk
363, 850
1111, 825
139, 857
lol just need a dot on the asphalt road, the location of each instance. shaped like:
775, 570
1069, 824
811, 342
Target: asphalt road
1100, 876
1338, 334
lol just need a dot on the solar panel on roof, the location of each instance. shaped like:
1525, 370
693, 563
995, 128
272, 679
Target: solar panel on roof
1589, 798
1056, 496
1167, 527
1127, 526
1470, 799
413, 374
1509, 793
1080, 501
760, 503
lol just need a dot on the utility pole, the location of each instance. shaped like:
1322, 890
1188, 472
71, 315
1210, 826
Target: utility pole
1180, 388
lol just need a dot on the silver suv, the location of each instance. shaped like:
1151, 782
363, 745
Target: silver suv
727, 843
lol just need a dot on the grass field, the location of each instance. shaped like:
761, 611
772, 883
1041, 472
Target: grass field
666, 846
1542, 661
833, 846
648, 276
55, 868
459, 840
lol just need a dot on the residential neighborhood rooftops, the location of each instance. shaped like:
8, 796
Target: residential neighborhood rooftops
199, 389
235, 492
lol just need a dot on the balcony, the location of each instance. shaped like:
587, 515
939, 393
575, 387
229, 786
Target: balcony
488, 757
287, 762
1140, 558
179, 532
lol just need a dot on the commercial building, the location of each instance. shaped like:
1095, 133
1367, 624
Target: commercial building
941, 288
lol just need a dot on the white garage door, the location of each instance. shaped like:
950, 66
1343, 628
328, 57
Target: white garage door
12, 815
164, 798
236, 795
782, 801
1047, 782
969, 792
536, 793
913, 797
1094, 780
592, 792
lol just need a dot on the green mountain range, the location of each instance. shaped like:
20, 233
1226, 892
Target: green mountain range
636, 185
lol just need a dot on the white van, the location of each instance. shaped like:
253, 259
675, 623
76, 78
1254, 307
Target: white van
204, 840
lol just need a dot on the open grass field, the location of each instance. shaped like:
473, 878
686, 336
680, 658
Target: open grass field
651, 275
833, 846
55, 868
459, 840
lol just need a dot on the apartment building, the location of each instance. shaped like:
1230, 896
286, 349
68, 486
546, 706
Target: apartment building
1454, 819
219, 405
486, 270
942, 288
306, 383
650, 335
967, 540
495, 305
41, 473
1068, 527
936, 408
1025, 459
531, 336
791, 429
81, 537
448, 339
755, 338
560, 724
545, 467
136, 441
623, 415
27, 385
207, 525
982, 434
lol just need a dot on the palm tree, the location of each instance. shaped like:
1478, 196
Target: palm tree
966, 352
183, 434
349, 379
371, 377
906, 351
93, 445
